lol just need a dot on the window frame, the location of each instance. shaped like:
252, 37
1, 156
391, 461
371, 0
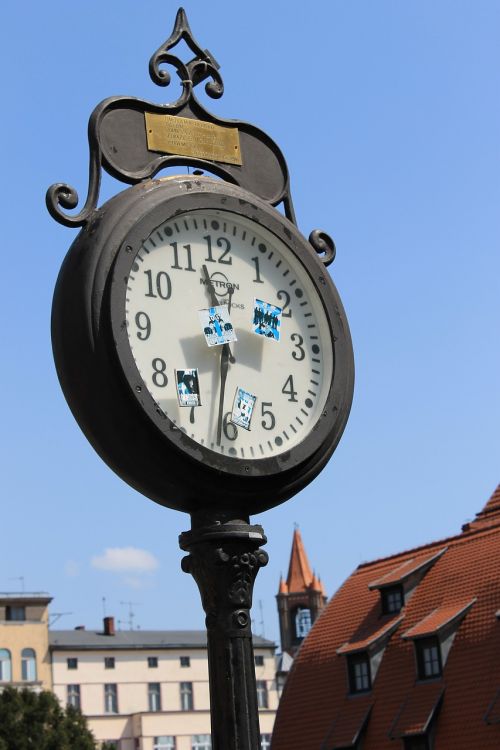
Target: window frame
28, 665
109, 662
186, 695
423, 645
259, 660
153, 664
8, 661
72, 662
154, 695
197, 743
15, 609
306, 615
262, 694
170, 740
74, 696
111, 693
353, 661
386, 594
184, 661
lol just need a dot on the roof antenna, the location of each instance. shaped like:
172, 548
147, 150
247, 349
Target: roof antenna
131, 613
104, 606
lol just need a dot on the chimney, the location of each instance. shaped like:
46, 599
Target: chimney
109, 626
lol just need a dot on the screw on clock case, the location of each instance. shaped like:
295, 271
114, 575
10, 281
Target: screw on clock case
106, 395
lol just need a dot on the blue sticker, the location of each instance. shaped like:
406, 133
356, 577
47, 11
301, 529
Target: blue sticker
266, 320
243, 405
217, 326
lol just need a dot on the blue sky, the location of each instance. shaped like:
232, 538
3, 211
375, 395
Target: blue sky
388, 114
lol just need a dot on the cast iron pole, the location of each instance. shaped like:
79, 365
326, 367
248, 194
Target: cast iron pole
224, 560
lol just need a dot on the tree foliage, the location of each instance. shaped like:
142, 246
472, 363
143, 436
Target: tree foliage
36, 721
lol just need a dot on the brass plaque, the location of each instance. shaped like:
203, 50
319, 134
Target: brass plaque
180, 135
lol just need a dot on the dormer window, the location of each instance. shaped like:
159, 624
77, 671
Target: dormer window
359, 673
392, 599
429, 660
433, 638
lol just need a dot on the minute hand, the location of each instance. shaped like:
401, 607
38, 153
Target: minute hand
224, 364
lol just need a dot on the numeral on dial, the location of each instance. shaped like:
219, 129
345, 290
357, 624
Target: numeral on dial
160, 378
224, 245
143, 323
286, 304
229, 429
300, 354
162, 284
288, 389
269, 421
257, 279
187, 248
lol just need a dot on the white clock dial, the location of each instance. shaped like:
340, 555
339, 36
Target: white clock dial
167, 287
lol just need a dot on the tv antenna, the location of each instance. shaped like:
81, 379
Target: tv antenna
131, 613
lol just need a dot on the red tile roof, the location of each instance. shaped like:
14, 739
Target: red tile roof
372, 637
317, 687
438, 619
300, 574
349, 723
418, 710
405, 570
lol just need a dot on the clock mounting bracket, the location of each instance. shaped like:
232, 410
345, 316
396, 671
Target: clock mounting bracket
119, 141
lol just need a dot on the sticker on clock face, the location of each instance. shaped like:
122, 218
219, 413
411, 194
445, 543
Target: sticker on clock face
188, 387
217, 326
266, 320
243, 405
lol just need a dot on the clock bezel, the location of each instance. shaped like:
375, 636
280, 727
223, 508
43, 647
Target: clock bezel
209, 194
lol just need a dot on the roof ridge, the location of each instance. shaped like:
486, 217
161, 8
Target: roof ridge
462, 538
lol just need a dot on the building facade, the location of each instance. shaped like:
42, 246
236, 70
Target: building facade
406, 654
24, 641
149, 690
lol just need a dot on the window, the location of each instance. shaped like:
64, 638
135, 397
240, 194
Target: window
152, 662
201, 742
5, 665
302, 622
15, 613
392, 600
72, 662
28, 665
165, 742
111, 744
359, 673
186, 696
109, 662
154, 696
259, 661
262, 700
419, 742
428, 658
110, 698
73, 696
265, 742
185, 661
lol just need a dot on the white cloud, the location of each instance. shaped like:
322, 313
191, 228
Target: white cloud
125, 559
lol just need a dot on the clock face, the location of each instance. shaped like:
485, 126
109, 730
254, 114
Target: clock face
228, 334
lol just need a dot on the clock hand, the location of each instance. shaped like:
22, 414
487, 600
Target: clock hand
224, 364
215, 303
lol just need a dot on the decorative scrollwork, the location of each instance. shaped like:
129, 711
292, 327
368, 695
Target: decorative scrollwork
323, 245
202, 66
61, 195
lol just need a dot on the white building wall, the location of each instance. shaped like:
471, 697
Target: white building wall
135, 726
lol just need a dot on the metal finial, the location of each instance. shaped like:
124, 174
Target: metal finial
191, 73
